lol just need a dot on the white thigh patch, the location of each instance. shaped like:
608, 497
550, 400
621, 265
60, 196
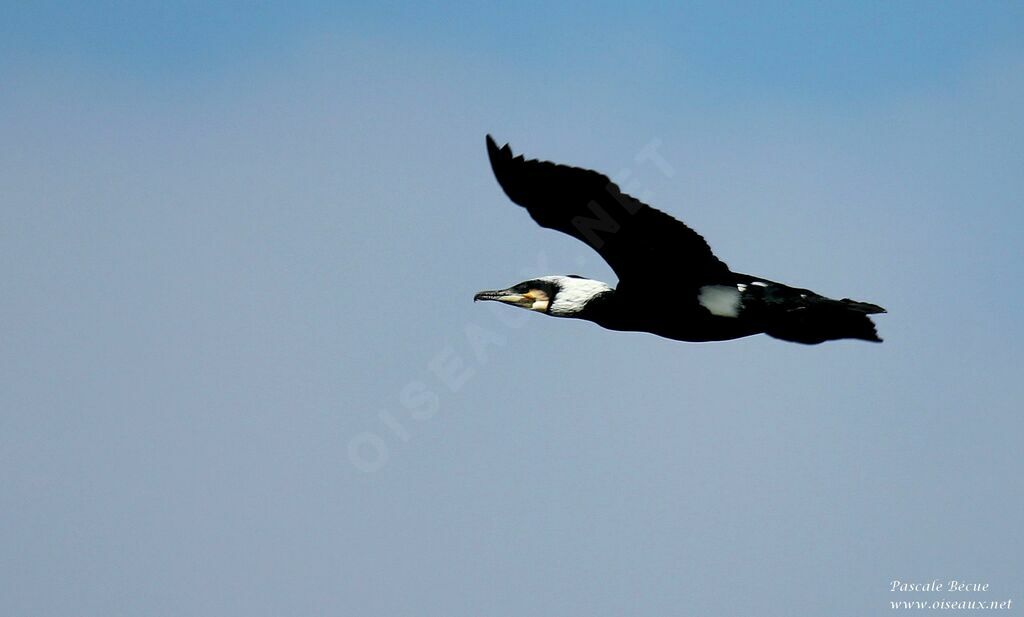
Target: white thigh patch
721, 300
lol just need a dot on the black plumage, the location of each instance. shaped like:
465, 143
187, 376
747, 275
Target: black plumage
670, 282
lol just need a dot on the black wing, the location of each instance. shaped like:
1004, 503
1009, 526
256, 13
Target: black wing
636, 240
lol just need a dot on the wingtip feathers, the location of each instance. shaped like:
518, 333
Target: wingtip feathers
496, 154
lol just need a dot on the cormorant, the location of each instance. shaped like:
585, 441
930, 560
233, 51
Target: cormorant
670, 283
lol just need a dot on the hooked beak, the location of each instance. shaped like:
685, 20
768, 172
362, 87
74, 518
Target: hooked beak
504, 295
535, 300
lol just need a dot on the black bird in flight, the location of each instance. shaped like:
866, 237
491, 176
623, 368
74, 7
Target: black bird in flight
670, 283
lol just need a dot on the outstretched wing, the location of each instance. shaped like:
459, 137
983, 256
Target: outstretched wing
636, 240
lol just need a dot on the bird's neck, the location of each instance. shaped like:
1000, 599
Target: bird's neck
602, 309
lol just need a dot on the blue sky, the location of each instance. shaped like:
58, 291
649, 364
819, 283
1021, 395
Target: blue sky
243, 374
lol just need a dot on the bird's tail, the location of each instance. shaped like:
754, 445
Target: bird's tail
827, 320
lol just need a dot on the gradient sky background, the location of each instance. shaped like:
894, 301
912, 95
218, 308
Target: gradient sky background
242, 373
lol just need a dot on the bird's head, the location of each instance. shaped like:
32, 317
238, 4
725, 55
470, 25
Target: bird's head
561, 296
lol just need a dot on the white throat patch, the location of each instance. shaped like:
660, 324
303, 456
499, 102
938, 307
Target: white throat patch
721, 300
573, 294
